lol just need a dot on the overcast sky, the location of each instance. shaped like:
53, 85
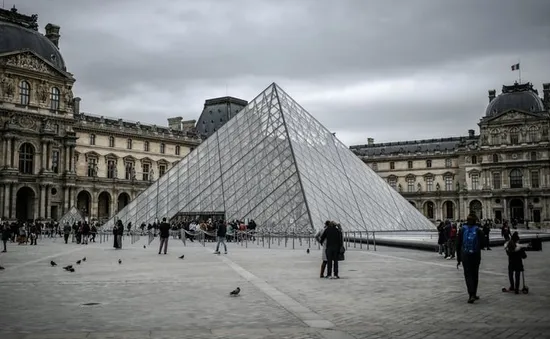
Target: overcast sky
391, 70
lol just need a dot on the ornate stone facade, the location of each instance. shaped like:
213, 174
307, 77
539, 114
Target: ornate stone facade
501, 174
54, 157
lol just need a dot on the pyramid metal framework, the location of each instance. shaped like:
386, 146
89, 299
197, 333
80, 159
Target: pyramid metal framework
275, 163
72, 216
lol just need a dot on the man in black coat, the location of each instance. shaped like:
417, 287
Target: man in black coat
334, 242
221, 233
468, 252
164, 230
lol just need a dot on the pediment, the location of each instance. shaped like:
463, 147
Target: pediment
92, 154
31, 61
512, 115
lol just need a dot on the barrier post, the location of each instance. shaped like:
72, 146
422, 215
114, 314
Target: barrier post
293, 238
360, 240
354, 239
368, 241
374, 240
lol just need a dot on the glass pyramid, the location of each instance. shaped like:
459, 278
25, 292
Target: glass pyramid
72, 216
274, 163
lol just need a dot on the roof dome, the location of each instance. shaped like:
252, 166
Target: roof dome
19, 32
519, 97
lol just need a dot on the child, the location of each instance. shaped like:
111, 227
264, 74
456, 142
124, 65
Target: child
516, 254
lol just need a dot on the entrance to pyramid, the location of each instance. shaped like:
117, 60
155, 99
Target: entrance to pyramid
198, 216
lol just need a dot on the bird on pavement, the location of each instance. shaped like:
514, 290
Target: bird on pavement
307, 251
53, 263
144, 246
71, 270
84, 259
182, 256
2, 268
119, 261
235, 292
68, 267
78, 262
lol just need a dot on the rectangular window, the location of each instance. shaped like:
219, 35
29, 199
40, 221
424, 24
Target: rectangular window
410, 185
111, 169
392, 165
92, 167
448, 162
111, 141
162, 170
496, 181
129, 144
409, 164
162, 148
145, 168
449, 183
177, 150
514, 137
475, 181
534, 179
374, 166
430, 184
129, 172
55, 161
92, 139
428, 163
393, 182
146, 146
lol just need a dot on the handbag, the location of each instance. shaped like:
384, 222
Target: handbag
341, 256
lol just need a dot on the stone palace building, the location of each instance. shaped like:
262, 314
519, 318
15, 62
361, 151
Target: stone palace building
502, 173
53, 156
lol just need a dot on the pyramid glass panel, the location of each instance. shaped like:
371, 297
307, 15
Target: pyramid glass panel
275, 163
72, 216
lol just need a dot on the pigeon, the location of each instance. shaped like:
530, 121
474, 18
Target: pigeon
182, 256
307, 251
144, 246
2, 268
53, 263
71, 270
235, 292
67, 268
78, 262
119, 261
84, 259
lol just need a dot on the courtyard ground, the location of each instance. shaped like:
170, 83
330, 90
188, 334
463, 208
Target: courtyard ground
390, 293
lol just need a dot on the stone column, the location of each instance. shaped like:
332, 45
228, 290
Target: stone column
114, 204
66, 159
49, 156
71, 160
7, 198
42, 209
65, 200
1, 201
48, 202
505, 209
9, 143
4, 152
13, 196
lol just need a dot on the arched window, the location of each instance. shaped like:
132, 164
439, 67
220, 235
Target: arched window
111, 141
146, 146
24, 93
162, 148
178, 150
54, 99
92, 139
514, 136
26, 157
533, 134
516, 178
495, 157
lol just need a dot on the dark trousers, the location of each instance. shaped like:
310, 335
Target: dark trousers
487, 241
323, 267
66, 237
471, 273
511, 278
5, 242
332, 261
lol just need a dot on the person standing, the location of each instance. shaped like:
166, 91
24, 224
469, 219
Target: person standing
5, 235
468, 252
323, 251
85, 233
334, 243
66, 232
164, 232
221, 233
486, 231
516, 254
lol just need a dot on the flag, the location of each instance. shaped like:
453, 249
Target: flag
515, 67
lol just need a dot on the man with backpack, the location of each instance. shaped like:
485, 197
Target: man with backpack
469, 242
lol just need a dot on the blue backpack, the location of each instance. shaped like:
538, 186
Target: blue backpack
470, 243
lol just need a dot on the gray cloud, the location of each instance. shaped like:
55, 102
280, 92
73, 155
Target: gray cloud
415, 69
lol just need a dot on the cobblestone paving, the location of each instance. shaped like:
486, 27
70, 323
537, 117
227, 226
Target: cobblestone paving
390, 293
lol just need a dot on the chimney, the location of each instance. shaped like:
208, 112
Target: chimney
492, 94
370, 141
52, 33
175, 123
471, 133
546, 95
76, 105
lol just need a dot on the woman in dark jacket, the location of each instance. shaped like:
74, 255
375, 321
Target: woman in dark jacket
441, 237
516, 254
115, 234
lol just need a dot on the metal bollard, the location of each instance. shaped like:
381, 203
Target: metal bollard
374, 240
294, 237
354, 239
360, 240
368, 241
268, 240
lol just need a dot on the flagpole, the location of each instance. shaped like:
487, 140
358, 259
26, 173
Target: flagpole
519, 69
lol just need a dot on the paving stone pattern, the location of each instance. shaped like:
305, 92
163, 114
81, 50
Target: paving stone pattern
390, 293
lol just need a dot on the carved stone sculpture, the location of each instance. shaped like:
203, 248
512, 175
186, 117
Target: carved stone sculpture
68, 96
42, 92
30, 62
8, 85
